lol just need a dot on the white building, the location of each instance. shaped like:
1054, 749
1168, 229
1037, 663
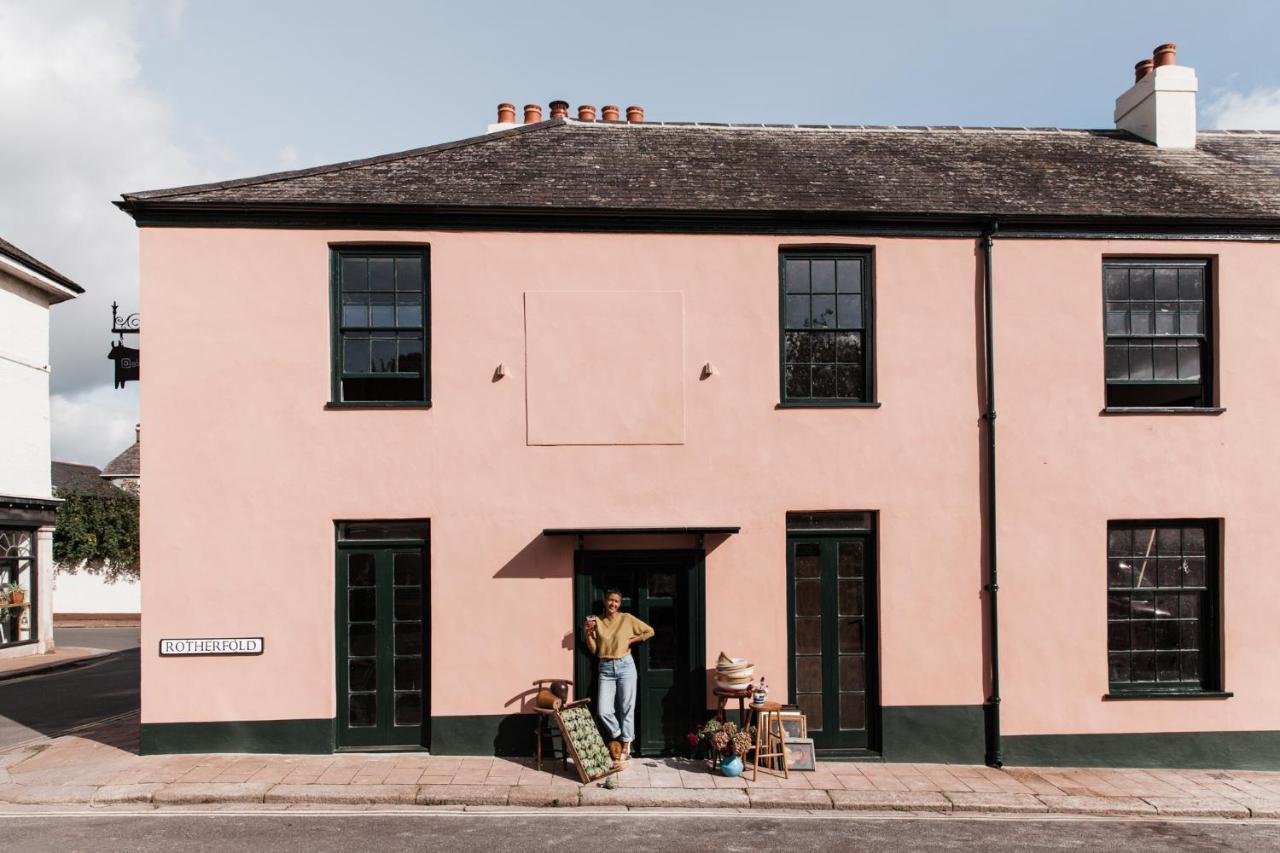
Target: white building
27, 507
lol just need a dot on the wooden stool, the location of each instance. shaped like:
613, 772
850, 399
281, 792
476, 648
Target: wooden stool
722, 701
769, 745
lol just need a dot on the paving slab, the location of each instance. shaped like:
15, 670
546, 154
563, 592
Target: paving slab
1106, 806
898, 801
1193, 807
109, 795
344, 794
196, 793
995, 803
679, 798
39, 794
464, 795
789, 798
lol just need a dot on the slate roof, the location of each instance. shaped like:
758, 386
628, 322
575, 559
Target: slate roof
72, 475
564, 164
127, 464
14, 253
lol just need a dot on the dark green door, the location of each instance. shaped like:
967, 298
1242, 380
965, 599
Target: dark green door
664, 590
381, 645
830, 595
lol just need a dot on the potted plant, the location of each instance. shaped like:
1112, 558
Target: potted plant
727, 744
13, 593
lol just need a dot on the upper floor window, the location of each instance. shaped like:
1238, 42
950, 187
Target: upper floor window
1159, 339
1162, 605
826, 327
381, 324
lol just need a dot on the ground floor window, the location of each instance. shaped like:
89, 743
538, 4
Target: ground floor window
1162, 606
17, 585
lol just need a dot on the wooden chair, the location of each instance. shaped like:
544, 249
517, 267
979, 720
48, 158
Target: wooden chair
544, 728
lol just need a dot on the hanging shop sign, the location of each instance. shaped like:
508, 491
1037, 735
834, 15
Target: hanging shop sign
127, 359
198, 646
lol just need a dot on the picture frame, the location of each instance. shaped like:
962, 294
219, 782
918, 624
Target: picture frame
801, 754
794, 724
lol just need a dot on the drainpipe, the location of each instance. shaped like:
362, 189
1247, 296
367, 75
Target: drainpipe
994, 757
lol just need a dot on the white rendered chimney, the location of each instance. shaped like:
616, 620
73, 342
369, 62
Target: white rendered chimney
1161, 106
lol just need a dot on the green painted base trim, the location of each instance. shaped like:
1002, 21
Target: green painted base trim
493, 734
289, 736
1207, 750
933, 734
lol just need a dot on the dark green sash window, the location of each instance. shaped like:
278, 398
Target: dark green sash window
381, 341
826, 327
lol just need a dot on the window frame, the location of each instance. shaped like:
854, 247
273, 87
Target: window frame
1211, 669
32, 601
336, 330
1208, 403
837, 253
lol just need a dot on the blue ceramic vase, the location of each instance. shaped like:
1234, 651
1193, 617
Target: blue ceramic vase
731, 766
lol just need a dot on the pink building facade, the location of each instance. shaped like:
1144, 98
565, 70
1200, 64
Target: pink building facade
408, 418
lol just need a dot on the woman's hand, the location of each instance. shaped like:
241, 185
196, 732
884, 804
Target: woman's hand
589, 627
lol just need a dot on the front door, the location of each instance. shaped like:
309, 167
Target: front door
663, 589
381, 615
830, 595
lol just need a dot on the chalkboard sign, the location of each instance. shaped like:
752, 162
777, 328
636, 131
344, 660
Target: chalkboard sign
590, 755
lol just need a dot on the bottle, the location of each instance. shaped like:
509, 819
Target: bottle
762, 692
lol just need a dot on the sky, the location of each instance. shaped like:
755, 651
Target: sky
101, 97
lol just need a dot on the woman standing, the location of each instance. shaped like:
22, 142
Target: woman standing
610, 638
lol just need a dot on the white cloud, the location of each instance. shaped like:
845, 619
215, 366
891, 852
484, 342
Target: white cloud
79, 128
1256, 110
93, 427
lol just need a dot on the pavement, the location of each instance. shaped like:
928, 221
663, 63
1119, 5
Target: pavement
60, 658
98, 766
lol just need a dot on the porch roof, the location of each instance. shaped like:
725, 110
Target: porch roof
641, 531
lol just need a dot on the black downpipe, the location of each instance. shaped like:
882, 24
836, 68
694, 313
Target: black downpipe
995, 756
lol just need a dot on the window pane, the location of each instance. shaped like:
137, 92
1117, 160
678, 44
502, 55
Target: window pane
1117, 361
1117, 318
808, 598
363, 710
1164, 360
1191, 283
408, 709
850, 597
408, 569
382, 309
383, 355
383, 390
362, 640
362, 604
1166, 283
1193, 540
853, 673
824, 348
382, 274
1189, 320
1120, 573
811, 706
849, 382
408, 604
797, 273
355, 354
1120, 542
408, 673
1142, 666
808, 636
1141, 284
355, 310
1188, 360
363, 531
1117, 606
1139, 360
408, 309
360, 570
355, 275
1118, 636
1169, 541
1116, 283
1140, 322
849, 559
853, 711
408, 639
849, 276
823, 276
823, 312
1166, 318
824, 380
808, 674
797, 381
797, 312
808, 561
1118, 666
409, 274
850, 635
849, 312
797, 347
362, 674
410, 349
849, 347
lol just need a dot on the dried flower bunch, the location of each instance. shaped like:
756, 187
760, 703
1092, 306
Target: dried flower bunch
727, 738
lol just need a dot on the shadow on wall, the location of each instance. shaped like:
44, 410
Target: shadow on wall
543, 557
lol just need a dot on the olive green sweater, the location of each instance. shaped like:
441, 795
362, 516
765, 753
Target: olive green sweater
612, 639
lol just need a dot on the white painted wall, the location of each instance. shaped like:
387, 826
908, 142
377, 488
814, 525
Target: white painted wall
85, 593
24, 389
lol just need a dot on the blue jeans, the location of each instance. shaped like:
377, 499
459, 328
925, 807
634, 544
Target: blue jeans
618, 697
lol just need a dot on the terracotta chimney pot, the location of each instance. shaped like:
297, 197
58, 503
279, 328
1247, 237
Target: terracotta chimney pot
609, 112
559, 109
532, 113
506, 113
1142, 69
635, 113
1165, 54
586, 112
